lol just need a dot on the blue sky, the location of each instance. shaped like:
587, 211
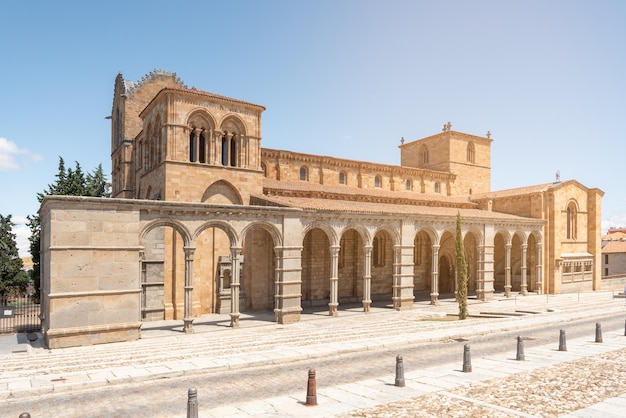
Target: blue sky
345, 78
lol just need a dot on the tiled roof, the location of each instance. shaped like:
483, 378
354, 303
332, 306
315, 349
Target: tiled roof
614, 236
273, 188
539, 188
348, 206
614, 247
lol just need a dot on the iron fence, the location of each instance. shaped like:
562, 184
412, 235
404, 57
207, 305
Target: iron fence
19, 314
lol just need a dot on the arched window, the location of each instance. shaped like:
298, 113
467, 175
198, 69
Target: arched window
233, 151
571, 220
424, 154
470, 153
304, 174
409, 185
342, 178
202, 147
377, 182
193, 150
264, 168
436, 187
224, 150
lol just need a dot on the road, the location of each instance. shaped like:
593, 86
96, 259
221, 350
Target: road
168, 397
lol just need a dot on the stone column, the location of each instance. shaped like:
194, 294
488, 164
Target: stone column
235, 253
539, 279
367, 278
288, 294
229, 138
434, 284
507, 270
396, 278
334, 280
188, 318
480, 279
524, 285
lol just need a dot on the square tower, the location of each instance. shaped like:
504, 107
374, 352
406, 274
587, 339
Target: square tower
466, 156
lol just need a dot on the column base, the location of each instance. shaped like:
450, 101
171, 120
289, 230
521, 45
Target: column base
287, 317
188, 325
234, 320
366, 305
332, 309
507, 291
434, 299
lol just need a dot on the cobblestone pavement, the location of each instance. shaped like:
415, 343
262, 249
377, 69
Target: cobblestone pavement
547, 392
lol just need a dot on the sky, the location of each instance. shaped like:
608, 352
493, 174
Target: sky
342, 78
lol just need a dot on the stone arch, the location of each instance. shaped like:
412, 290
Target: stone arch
315, 264
447, 250
393, 233
224, 226
501, 239
214, 241
350, 264
518, 240
259, 240
383, 258
233, 124
471, 242
422, 260
222, 192
277, 238
360, 229
163, 268
200, 118
533, 260
172, 223
330, 232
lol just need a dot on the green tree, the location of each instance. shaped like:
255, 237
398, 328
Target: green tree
69, 182
11, 276
461, 270
97, 184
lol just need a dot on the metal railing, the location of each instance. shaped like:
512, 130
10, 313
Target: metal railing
19, 314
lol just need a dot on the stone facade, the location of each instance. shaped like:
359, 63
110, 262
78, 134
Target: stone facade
205, 220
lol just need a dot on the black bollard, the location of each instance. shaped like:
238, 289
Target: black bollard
562, 343
311, 389
399, 372
598, 332
467, 360
192, 403
24, 415
520, 349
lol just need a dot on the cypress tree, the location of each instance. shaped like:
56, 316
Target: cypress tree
461, 270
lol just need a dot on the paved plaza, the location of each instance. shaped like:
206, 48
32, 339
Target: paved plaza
587, 380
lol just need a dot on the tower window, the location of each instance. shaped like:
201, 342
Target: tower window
436, 187
470, 153
342, 178
409, 185
571, 221
377, 182
304, 175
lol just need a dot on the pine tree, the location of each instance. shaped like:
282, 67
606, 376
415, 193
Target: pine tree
97, 184
70, 182
11, 275
461, 270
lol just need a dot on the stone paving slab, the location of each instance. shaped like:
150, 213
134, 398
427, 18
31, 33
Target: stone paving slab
166, 353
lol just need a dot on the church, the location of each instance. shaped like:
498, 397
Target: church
204, 220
